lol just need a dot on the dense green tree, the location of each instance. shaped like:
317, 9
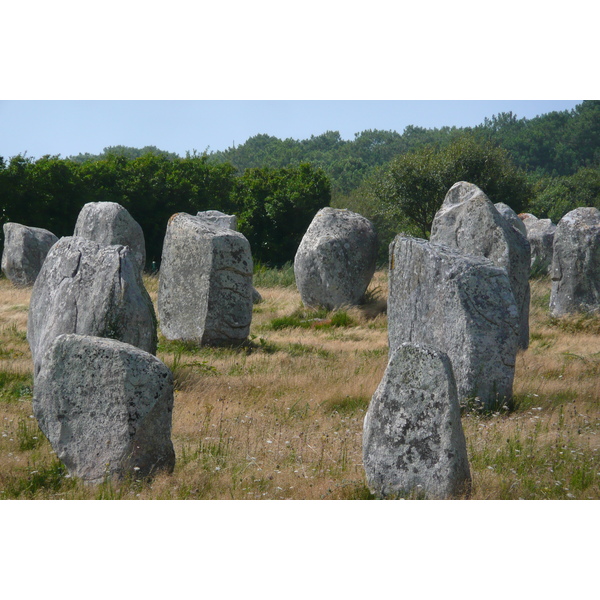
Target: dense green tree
275, 208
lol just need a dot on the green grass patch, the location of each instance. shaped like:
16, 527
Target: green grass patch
267, 277
307, 318
15, 386
348, 405
37, 480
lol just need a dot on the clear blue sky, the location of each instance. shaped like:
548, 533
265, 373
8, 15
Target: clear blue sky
68, 127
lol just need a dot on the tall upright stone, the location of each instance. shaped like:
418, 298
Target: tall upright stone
106, 407
205, 283
576, 263
511, 216
110, 224
89, 289
24, 252
540, 234
413, 440
336, 259
460, 304
469, 222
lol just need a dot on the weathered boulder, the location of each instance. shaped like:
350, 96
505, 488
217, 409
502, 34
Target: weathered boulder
110, 224
576, 263
512, 217
540, 234
25, 249
205, 283
336, 259
106, 408
460, 304
89, 289
413, 441
219, 219
469, 222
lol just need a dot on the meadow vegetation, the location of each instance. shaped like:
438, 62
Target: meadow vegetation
281, 416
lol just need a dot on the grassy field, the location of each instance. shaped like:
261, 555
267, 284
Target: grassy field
282, 417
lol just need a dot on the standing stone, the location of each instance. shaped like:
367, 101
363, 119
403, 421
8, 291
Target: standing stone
110, 224
106, 407
413, 440
576, 263
469, 222
460, 304
512, 217
205, 283
25, 249
89, 289
219, 219
540, 234
336, 259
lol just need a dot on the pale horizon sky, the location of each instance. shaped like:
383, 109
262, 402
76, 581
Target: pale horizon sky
69, 127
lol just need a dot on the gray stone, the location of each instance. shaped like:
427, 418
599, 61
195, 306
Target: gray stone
576, 263
413, 440
512, 217
219, 219
336, 259
25, 249
469, 222
205, 283
540, 233
460, 304
110, 224
89, 289
106, 407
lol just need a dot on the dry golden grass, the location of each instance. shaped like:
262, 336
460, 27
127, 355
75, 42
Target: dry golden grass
282, 417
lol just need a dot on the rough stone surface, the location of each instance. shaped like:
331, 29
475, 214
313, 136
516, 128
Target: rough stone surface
576, 263
512, 217
460, 304
336, 259
413, 441
219, 219
540, 233
25, 249
110, 224
469, 222
89, 289
106, 408
205, 283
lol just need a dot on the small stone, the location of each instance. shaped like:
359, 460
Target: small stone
25, 249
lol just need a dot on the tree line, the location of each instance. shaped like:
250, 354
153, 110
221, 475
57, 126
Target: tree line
547, 165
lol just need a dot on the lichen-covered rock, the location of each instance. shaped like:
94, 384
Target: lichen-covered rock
336, 259
110, 224
460, 304
89, 289
540, 233
219, 219
512, 217
576, 263
25, 249
469, 222
413, 441
106, 407
205, 283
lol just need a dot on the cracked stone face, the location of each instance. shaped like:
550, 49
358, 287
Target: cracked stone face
205, 283
469, 222
413, 441
89, 289
460, 304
